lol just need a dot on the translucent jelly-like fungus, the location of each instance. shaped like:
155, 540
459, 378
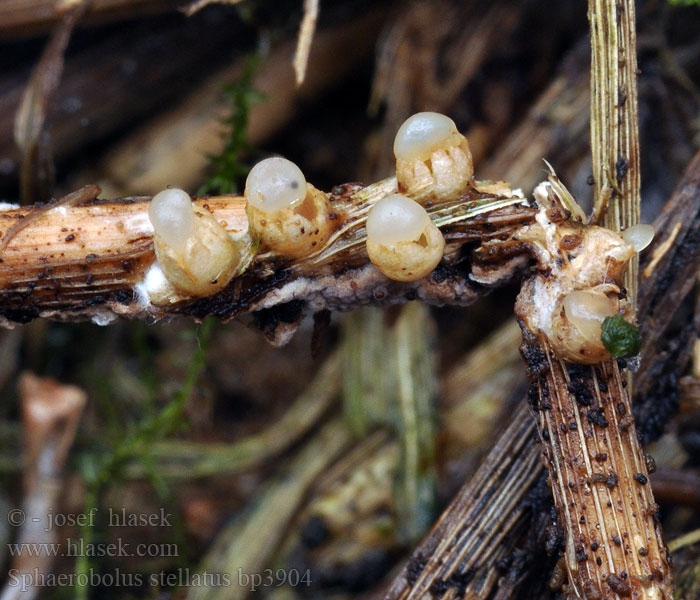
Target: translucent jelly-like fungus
402, 241
172, 211
287, 214
433, 160
638, 236
587, 310
275, 184
196, 254
578, 323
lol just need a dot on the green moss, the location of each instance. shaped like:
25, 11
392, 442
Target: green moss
620, 338
232, 164
101, 470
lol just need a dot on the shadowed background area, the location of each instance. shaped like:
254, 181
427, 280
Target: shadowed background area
324, 463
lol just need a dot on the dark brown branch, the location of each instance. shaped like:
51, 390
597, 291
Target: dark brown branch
36, 173
668, 271
127, 74
459, 554
677, 486
24, 17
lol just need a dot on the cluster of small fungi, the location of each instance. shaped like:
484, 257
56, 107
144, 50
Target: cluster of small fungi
582, 265
292, 218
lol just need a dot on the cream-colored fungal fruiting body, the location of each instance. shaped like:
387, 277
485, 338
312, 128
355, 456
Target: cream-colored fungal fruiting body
433, 160
287, 214
639, 236
194, 252
577, 323
578, 283
402, 241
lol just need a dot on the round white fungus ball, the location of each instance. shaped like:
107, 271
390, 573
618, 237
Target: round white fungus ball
587, 310
423, 133
396, 218
402, 241
275, 184
172, 216
638, 236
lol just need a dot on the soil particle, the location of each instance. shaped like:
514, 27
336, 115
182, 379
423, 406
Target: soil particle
621, 167
581, 392
618, 585
626, 423
415, 567
650, 462
640, 478
596, 416
535, 359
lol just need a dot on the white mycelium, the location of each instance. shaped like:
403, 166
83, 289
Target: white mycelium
433, 160
196, 254
284, 212
402, 241
638, 236
275, 184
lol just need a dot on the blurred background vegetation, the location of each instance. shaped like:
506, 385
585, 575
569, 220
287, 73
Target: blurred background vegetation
337, 452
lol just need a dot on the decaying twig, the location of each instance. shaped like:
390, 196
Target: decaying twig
458, 558
596, 466
615, 120
599, 478
306, 37
612, 543
91, 261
